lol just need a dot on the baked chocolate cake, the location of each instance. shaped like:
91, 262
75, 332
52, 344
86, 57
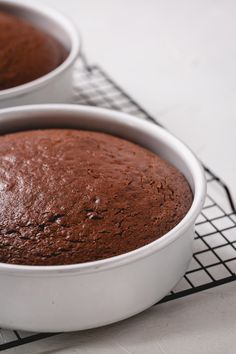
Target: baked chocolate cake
70, 196
26, 53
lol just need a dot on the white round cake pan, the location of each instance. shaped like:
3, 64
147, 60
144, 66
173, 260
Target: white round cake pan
87, 295
56, 86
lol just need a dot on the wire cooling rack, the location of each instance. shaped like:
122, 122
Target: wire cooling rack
214, 259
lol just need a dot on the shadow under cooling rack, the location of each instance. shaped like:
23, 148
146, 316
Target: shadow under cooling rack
214, 258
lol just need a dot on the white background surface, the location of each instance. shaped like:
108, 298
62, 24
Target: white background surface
176, 58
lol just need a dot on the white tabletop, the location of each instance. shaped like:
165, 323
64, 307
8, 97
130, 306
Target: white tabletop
177, 59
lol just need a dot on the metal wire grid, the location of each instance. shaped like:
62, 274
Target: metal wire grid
214, 259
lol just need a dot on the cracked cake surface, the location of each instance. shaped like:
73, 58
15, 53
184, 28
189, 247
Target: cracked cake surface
70, 196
